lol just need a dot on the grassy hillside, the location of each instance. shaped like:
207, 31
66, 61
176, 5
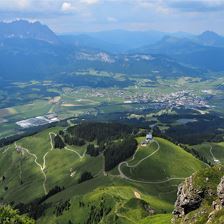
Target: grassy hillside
118, 199
157, 219
24, 177
165, 163
9, 215
124, 195
213, 152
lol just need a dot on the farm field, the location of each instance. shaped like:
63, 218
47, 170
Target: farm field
142, 94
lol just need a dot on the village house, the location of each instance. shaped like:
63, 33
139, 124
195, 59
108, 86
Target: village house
148, 139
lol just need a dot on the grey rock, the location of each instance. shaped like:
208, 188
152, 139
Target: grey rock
188, 198
220, 191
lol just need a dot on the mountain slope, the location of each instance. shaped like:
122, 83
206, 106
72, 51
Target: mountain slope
23, 29
210, 38
126, 40
32, 51
9, 215
163, 164
170, 45
45, 180
85, 41
200, 198
202, 51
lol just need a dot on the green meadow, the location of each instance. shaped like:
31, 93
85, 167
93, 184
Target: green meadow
161, 165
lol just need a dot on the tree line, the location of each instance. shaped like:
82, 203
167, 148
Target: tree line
119, 151
100, 132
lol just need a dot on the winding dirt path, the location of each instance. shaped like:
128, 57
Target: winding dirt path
213, 157
77, 153
51, 140
66, 148
140, 161
43, 166
126, 217
122, 175
5, 150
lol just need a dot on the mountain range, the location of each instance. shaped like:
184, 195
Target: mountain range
23, 29
203, 51
31, 50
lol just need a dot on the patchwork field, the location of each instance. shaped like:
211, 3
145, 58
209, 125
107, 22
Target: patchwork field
36, 98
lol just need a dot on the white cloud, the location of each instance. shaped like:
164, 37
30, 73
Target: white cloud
66, 6
14, 4
23, 3
159, 6
89, 2
77, 5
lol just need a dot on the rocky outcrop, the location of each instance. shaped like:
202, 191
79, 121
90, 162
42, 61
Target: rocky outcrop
188, 198
220, 191
200, 198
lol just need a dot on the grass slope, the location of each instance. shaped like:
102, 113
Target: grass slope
164, 164
211, 150
24, 180
118, 196
169, 161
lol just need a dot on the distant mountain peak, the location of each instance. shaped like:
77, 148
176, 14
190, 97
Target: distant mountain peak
211, 38
170, 39
209, 33
173, 40
24, 29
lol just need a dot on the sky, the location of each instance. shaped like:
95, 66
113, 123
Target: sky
71, 16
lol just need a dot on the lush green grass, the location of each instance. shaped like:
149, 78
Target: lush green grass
35, 102
217, 151
37, 108
170, 161
121, 199
38, 144
7, 129
12, 163
119, 194
59, 166
157, 219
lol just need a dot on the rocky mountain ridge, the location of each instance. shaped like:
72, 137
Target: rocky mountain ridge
22, 29
200, 198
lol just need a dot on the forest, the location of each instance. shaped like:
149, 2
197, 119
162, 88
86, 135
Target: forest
101, 132
119, 151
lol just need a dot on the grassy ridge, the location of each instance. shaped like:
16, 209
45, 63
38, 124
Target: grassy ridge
164, 164
120, 198
208, 150
157, 219
64, 167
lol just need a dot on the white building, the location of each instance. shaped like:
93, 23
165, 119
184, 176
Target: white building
149, 137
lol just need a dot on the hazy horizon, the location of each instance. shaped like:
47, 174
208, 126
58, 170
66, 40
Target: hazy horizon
78, 16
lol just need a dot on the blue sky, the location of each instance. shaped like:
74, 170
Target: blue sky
68, 16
